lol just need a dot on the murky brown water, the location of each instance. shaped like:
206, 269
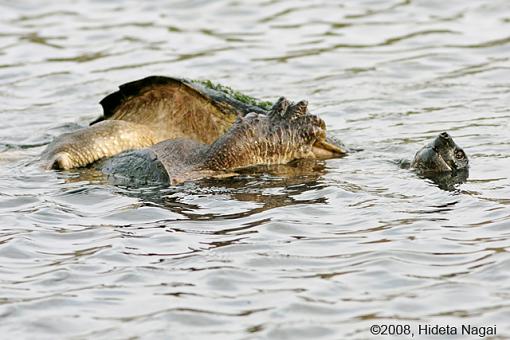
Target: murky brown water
325, 255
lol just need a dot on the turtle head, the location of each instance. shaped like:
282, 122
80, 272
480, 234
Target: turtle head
443, 162
441, 155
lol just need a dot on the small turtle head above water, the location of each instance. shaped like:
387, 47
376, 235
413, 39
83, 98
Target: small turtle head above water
443, 162
440, 155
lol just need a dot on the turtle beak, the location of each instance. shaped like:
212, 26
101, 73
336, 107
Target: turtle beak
328, 148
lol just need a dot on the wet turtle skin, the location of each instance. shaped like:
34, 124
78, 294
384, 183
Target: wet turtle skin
286, 133
440, 155
155, 109
443, 162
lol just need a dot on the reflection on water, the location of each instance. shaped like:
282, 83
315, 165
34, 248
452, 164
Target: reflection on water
448, 180
313, 250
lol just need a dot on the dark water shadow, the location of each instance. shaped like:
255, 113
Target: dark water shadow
268, 187
448, 181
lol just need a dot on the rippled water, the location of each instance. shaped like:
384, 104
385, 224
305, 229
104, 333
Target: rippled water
320, 255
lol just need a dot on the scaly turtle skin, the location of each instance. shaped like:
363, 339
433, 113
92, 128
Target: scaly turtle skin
443, 162
154, 109
286, 133
440, 155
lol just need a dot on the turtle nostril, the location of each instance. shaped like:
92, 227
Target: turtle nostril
444, 135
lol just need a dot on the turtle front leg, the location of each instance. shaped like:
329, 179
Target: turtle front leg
287, 133
85, 146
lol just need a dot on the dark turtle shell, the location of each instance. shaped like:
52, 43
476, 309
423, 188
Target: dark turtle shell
175, 107
181, 108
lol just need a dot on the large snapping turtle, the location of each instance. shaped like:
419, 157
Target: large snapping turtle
286, 133
186, 122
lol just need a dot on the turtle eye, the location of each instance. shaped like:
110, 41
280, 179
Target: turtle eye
459, 154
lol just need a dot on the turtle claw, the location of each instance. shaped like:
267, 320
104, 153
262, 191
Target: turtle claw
298, 109
280, 108
283, 108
